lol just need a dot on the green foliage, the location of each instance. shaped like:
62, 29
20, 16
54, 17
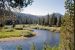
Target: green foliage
67, 29
48, 20
45, 47
15, 3
19, 27
6, 9
10, 32
33, 47
19, 47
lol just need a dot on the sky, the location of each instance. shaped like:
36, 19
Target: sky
44, 7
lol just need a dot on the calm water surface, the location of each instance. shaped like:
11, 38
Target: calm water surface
41, 36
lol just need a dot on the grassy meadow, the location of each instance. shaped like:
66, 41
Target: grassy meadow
24, 30
40, 27
8, 32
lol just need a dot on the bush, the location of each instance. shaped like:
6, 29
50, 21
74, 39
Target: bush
19, 28
19, 47
9, 30
45, 47
27, 33
1, 25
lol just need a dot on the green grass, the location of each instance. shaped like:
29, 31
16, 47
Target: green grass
45, 47
53, 29
40, 27
24, 30
6, 33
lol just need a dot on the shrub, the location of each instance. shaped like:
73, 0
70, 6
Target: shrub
19, 47
9, 30
19, 28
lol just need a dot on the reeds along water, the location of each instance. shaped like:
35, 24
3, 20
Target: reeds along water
46, 46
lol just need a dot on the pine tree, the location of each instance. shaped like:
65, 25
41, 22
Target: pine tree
67, 29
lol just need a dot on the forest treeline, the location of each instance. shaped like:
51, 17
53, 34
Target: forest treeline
21, 18
7, 17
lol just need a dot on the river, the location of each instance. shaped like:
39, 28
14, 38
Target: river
52, 38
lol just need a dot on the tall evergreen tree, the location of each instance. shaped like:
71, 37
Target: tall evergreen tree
68, 26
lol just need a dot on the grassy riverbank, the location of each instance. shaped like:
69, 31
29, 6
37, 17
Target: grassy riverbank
24, 30
7, 33
41, 27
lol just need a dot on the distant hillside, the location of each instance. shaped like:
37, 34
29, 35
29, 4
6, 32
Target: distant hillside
22, 15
